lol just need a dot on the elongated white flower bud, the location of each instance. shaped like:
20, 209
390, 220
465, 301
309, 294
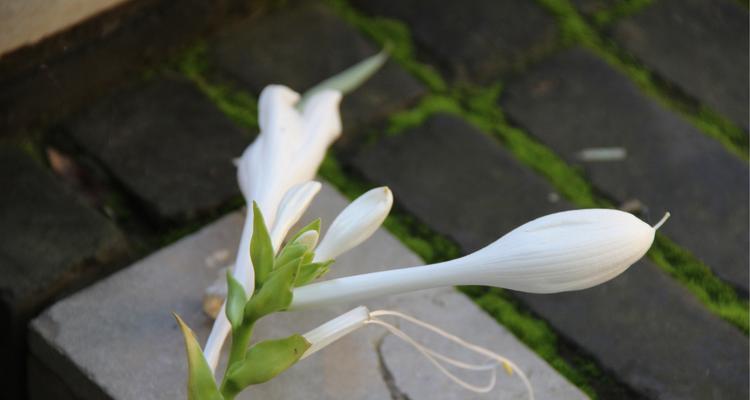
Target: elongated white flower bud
335, 329
309, 239
560, 252
293, 205
356, 223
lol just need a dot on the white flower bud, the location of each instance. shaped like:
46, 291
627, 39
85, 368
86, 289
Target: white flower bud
356, 223
293, 205
335, 329
560, 252
309, 239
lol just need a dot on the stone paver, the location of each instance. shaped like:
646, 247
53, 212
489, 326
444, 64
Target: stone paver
576, 101
644, 327
305, 45
26, 22
167, 144
472, 41
700, 45
591, 7
128, 314
50, 242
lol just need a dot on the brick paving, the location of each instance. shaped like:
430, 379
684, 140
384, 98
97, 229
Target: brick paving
472, 41
165, 144
698, 45
50, 241
474, 192
575, 101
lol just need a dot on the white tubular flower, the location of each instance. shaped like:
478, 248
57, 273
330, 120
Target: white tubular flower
335, 329
293, 205
356, 223
570, 250
288, 151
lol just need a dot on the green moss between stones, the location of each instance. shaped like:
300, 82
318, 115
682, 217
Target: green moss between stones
620, 10
479, 106
575, 31
395, 37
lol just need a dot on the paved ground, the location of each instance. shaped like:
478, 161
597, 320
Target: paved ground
478, 123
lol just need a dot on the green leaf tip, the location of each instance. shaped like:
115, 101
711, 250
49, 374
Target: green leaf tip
349, 79
261, 249
236, 300
312, 271
201, 384
312, 226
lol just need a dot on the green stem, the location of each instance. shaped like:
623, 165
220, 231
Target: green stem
240, 342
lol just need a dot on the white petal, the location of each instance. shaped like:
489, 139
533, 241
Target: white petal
293, 205
565, 251
356, 223
309, 239
335, 329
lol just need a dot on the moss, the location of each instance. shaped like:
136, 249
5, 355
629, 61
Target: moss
575, 31
395, 37
620, 10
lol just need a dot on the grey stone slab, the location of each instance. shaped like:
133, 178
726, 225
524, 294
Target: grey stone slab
167, 144
643, 327
305, 44
576, 101
699, 45
50, 242
128, 315
473, 41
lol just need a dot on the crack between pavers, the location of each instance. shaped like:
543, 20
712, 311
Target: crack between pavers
387, 375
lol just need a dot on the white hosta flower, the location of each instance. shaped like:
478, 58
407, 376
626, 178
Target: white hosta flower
357, 222
293, 205
288, 151
560, 252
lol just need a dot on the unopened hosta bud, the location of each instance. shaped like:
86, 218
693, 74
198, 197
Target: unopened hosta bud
356, 223
335, 329
560, 252
293, 205
308, 238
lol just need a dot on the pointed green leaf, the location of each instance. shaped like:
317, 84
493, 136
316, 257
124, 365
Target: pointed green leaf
236, 299
276, 293
261, 250
309, 272
201, 383
312, 226
349, 79
265, 360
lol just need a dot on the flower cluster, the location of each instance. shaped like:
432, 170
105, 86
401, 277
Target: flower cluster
274, 271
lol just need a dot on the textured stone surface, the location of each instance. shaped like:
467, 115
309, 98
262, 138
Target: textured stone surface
49, 242
591, 7
700, 45
305, 45
476, 40
577, 101
643, 326
447, 162
128, 314
167, 144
